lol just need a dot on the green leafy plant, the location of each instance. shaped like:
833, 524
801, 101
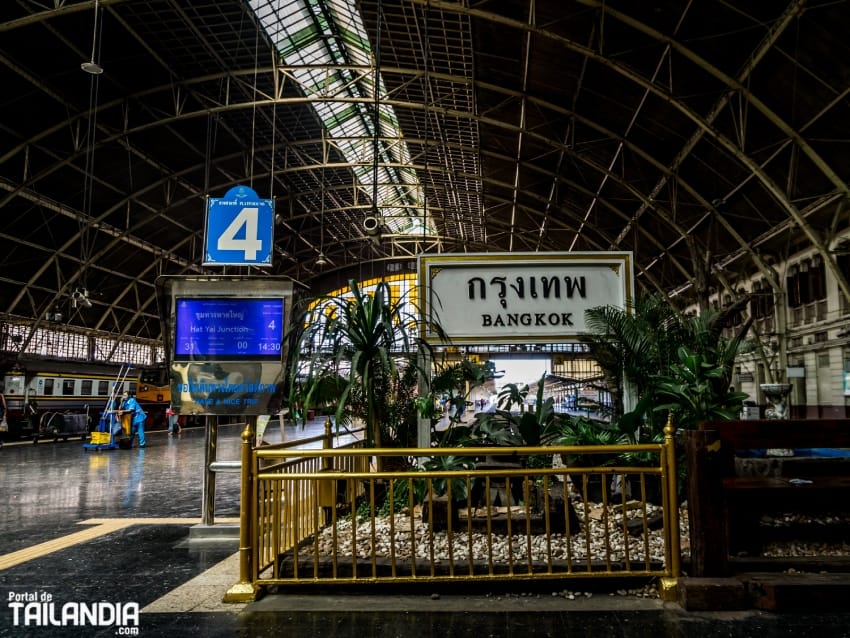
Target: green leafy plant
504, 427
698, 390
630, 424
632, 345
581, 431
442, 485
643, 458
401, 495
639, 349
455, 382
367, 342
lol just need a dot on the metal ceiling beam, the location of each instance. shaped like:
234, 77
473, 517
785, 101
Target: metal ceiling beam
81, 218
704, 126
62, 9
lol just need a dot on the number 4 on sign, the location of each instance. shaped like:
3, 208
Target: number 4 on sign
250, 244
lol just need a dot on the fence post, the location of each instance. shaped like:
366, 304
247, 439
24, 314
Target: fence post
328, 443
245, 590
668, 588
326, 487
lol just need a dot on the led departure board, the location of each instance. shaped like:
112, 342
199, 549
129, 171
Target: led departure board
228, 329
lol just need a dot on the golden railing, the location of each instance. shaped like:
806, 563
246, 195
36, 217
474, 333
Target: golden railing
326, 516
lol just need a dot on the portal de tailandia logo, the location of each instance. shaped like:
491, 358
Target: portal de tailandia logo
39, 609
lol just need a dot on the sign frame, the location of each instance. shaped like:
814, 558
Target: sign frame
497, 298
226, 385
239, 222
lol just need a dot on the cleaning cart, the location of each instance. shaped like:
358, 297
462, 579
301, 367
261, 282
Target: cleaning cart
109, 433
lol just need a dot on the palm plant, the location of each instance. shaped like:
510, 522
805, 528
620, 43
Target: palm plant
531, 428
368, 340
631, 346
456, 381
513, 394
642, 347
698, 386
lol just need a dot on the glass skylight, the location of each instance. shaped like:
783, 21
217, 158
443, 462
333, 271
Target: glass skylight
326, 44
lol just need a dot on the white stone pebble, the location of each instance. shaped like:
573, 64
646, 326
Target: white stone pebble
405, 536
396, 539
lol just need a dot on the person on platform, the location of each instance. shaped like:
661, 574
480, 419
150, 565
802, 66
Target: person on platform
173, 421
113, 416
130, 405
3, 416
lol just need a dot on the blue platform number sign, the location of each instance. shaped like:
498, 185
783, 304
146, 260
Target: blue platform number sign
239, 229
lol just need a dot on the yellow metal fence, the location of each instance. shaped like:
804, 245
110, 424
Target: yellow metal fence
324, 516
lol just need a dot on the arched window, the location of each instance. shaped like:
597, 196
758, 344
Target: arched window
792, 285
817, 280
756, 304
804, 284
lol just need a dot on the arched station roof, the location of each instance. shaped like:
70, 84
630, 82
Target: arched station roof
708, 137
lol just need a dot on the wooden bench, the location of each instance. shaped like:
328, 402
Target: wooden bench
728, 493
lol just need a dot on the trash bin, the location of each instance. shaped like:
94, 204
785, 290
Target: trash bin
311, 414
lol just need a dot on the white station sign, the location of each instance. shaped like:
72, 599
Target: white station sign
520, 297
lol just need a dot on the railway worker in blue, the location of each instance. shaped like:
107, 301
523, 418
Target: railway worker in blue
113, 416
130, 405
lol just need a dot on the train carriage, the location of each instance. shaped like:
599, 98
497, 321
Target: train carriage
153, 392
61, 399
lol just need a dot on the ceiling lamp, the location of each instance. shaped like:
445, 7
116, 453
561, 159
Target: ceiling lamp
91, 66
321, 260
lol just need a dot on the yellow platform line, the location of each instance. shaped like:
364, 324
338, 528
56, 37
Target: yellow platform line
100, 527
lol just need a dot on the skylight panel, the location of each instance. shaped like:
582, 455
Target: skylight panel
328, 33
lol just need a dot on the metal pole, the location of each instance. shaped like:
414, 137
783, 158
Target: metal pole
668, 588
208, 505
423, 424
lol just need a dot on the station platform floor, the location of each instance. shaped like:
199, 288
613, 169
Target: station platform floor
113, 526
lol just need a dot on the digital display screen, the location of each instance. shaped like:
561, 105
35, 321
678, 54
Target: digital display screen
228, 329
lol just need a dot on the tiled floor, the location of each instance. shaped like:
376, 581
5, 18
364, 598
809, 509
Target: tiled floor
89, 526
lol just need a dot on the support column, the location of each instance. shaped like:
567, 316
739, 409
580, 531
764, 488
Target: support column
207, 531
208, 505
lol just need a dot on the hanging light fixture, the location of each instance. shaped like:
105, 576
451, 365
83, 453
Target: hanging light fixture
321, 260
80, 296
91, 66
371, 223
